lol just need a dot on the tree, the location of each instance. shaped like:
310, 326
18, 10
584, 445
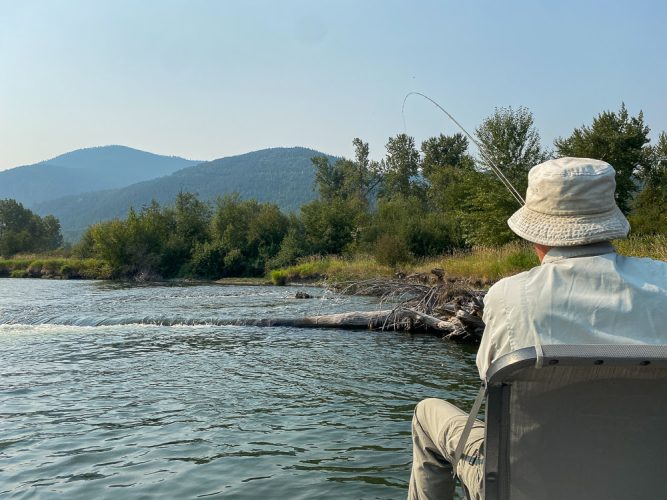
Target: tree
328, 178
400, 167
447, 166
188, 224
246, 234
445, 151
620, 140
23, 231
510, 142
346, 179
332, 226
649, 214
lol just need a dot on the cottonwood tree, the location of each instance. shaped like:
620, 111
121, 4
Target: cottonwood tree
400, 168
509, 141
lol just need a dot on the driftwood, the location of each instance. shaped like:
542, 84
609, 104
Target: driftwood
399, 318
451, 309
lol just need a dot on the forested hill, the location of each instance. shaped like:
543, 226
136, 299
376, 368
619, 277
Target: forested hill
84, 170
283, 176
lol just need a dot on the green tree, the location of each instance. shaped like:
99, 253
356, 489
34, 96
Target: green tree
246, 235
510, 142
331, 227
445, 151
188, 224
23, 231
400, 168
448, 168
293, 246
328, 178
617, 138
649, 214
410, 229
347, 179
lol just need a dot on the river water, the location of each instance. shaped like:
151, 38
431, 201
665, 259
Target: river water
110, 390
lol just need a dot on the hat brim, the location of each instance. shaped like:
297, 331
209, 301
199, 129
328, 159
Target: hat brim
570, 230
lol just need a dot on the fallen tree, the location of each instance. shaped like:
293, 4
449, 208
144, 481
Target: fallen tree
453, 309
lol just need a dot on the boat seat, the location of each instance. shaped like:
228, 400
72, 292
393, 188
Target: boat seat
577, 422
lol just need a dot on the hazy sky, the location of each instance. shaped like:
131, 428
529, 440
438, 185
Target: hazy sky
207, 79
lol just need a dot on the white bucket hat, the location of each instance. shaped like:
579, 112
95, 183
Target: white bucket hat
570, 201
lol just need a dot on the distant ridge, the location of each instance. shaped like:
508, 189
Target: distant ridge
84, 170
283, 176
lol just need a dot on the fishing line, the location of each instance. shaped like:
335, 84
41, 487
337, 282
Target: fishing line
517, 196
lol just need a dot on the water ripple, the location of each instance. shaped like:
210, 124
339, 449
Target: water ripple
150, 389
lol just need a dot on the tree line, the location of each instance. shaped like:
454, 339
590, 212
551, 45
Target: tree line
414, 202
23, 231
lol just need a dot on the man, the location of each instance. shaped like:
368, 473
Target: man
582, 293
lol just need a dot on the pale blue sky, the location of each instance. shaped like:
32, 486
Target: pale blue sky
206, 79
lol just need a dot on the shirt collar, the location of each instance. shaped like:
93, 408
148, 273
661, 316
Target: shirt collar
560, 253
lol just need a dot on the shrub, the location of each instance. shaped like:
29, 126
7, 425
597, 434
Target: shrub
279, 277
35, 269
391, 250
68, 272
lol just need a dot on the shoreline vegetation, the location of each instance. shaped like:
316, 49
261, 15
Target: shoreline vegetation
480, 267
430, 215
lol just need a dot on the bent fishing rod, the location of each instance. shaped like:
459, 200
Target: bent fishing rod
513, 191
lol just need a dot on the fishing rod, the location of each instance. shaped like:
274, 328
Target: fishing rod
513, 191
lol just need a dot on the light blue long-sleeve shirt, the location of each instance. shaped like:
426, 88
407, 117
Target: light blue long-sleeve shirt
579, 295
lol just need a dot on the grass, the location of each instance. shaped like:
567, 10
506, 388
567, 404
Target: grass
34, 266
331, 268
654, 247
481, 266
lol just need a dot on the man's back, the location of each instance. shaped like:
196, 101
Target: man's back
579, 295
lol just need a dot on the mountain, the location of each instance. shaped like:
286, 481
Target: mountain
84, 170
283, 176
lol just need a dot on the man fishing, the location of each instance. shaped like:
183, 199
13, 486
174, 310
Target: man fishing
582, 293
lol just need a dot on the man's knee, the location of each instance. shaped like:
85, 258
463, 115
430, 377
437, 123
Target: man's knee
438, 410
425, 406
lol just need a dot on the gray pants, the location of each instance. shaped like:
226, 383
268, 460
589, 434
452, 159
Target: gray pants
436, 428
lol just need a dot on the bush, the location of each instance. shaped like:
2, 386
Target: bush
95, 269
35, 269
207, 261
68, 272
279, 277
391, 250
19, 273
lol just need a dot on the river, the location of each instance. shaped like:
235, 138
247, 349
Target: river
112, 390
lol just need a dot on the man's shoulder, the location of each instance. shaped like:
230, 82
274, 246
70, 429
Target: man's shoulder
652, 270
504, 288
646, 262
514, 280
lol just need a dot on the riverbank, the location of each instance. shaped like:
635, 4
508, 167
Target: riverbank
481, 267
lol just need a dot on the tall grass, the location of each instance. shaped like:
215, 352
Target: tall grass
482, 266
332, 268
654, 247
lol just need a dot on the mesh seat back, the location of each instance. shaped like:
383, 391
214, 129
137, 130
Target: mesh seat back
588, 433
582, 429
